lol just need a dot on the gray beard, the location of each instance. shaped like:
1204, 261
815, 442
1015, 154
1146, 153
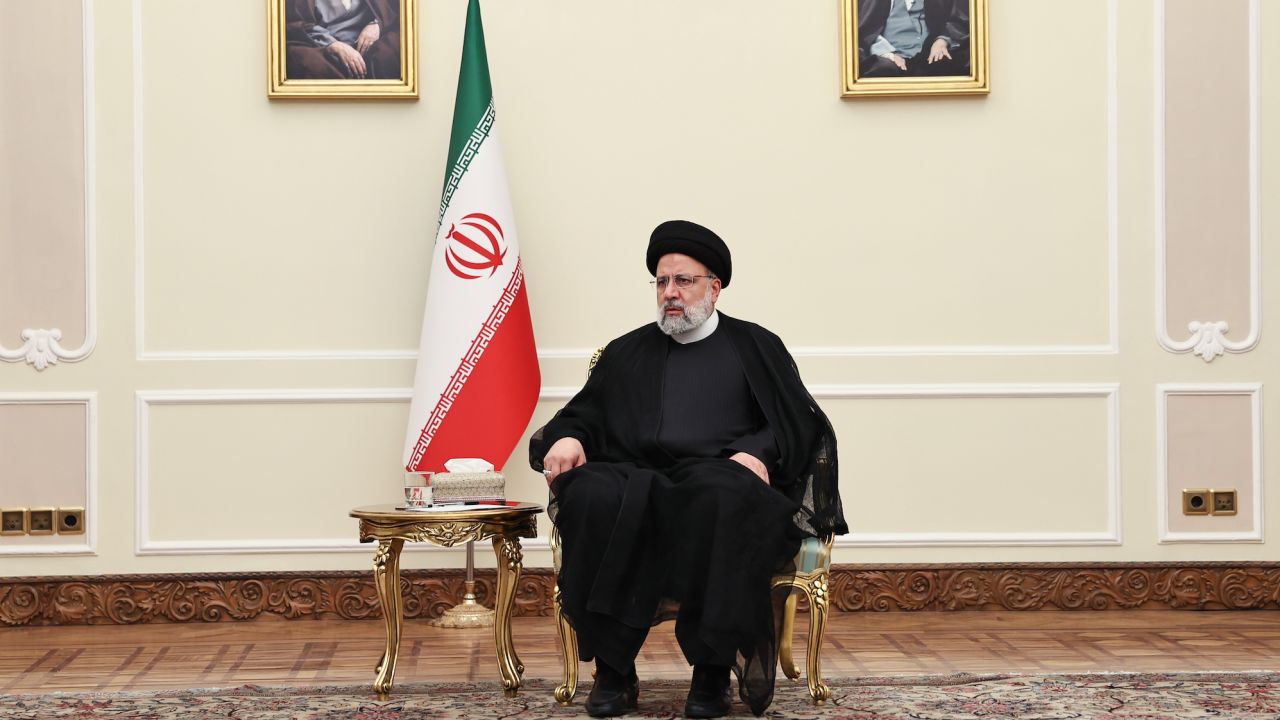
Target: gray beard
693, 316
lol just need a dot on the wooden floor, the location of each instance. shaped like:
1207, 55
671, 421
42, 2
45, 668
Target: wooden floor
858, 644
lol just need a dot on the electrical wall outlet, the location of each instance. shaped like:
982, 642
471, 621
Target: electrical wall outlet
70, 521
1196, 502
40, 521
13, 521
1223, 502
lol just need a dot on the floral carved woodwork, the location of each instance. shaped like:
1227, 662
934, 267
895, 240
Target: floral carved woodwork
126, 600
446, 534
1030, 587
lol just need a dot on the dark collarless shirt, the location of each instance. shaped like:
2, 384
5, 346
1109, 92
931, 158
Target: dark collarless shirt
708, 410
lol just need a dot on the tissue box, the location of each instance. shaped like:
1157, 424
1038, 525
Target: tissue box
452, 487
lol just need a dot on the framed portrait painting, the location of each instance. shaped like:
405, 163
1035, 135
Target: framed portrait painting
914, 47
342, 49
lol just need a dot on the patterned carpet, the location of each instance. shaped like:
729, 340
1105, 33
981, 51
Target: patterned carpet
1027, 697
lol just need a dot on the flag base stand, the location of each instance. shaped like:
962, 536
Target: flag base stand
468, 613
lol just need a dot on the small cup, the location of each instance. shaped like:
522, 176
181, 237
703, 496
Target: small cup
417, 489
417, 496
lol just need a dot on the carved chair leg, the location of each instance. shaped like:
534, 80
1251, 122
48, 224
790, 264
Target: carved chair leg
785, 635
568, 654
817, 592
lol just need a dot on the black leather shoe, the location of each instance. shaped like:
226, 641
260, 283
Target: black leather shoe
708, 693
613, 693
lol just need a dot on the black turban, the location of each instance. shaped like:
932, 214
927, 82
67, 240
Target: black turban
688, 238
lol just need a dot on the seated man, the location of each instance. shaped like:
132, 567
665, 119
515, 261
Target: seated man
684, 475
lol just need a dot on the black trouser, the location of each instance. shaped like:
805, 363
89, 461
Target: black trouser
704, 536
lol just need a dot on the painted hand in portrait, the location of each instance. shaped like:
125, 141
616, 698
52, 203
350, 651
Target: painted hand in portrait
343, 40
903, 38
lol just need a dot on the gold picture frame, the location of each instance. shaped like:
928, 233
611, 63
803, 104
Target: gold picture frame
390, 62
961, 70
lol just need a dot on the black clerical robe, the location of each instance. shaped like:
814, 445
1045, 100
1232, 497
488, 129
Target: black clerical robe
707, 407
615, 416
660, 524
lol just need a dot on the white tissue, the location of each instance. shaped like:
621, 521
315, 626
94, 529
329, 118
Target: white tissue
468, 465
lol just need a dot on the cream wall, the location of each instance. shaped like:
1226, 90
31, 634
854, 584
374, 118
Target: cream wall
973, 287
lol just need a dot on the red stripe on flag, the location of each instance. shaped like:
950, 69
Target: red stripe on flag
486, 407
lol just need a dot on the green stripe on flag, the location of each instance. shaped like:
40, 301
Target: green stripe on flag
475, 93
459, 168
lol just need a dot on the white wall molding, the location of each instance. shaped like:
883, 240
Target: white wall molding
91, 515
139, 242
1111, 392
1111, 536
40, 347
139, 157
145, 545
1110, 347
233, 355
583, 354
1207, 338
309, 546
1254, 391
146, 399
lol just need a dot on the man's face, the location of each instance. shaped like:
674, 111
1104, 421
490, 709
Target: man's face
683, 309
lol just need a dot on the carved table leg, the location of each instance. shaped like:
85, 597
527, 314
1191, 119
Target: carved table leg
509, 565
386, 576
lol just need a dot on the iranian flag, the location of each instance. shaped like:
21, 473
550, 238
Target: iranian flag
477, 379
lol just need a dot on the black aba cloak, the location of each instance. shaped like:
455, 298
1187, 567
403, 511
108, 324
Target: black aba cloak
616, 417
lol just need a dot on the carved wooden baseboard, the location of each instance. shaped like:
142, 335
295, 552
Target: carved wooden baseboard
132, 599
1045, 586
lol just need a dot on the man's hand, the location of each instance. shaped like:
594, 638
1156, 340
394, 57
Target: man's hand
368, 36
939, 51
750, 462
896, 59
350, 59
565, 455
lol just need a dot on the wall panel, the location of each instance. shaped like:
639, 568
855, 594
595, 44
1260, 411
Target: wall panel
48, 459
257, 472
978, 465
47, 300
1207, 177
1211, 439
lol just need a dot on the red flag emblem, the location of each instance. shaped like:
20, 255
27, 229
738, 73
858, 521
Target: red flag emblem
475, 245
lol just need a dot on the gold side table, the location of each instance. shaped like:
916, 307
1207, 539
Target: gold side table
392, 527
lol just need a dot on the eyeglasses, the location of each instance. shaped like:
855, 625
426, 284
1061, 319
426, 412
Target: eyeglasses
683, 282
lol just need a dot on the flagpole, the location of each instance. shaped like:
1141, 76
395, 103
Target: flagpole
477, 379
468, 613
